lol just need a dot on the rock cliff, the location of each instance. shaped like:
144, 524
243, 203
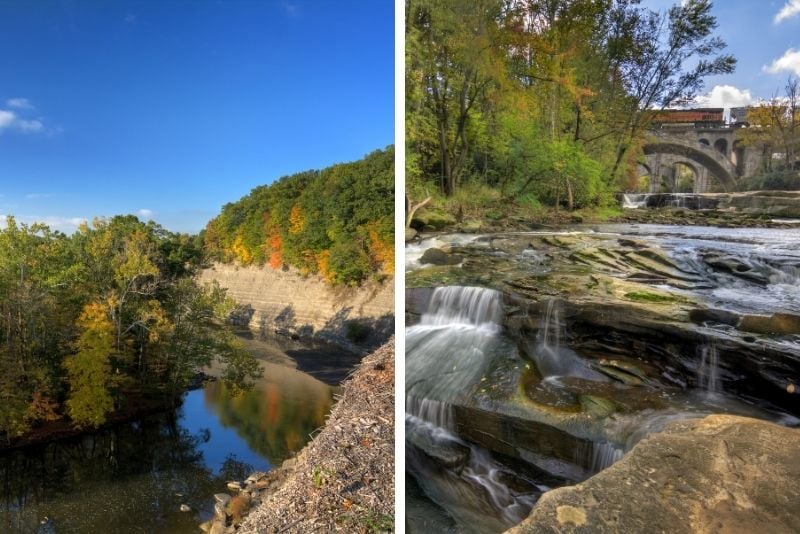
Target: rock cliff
284, 302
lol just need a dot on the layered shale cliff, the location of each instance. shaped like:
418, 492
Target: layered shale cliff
284, 302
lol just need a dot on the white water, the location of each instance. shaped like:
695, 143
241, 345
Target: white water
605, 454
414, 251
634, 200
446, 355
551, 358
708, 371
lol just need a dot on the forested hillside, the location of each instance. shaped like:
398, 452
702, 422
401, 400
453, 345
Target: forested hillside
544, 102
337, 222
103, 320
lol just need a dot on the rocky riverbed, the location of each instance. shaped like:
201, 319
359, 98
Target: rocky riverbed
342, 481
547, 356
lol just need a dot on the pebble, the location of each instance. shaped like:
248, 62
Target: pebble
185, 508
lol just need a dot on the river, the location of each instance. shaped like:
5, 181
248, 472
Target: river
134, 477
536, 359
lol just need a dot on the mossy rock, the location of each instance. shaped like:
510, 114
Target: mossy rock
646, 296
432, 219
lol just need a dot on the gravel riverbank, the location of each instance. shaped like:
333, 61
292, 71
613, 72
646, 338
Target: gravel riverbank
343, 480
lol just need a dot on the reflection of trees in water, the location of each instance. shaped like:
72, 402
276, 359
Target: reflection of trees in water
155, 458
272, 423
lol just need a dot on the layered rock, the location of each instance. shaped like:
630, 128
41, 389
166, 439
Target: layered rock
278, 301
717, 474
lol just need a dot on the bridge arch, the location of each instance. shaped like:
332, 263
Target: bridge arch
715, 162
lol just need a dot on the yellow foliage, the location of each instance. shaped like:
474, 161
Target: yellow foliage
240, 250
324, 265
296, 220
381, 251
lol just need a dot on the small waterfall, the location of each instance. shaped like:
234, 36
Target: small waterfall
605, 454
708, 371
455, 305
634, 200
476, 492
447, 353
553, 359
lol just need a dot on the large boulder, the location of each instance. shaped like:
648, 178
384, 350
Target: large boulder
437, 256
777, 323
718, 474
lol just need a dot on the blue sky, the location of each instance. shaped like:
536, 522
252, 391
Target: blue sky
170, 109
765, 37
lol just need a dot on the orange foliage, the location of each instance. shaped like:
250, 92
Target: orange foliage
276, 248
381, 251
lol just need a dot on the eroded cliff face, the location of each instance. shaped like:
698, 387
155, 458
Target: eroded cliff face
284, 302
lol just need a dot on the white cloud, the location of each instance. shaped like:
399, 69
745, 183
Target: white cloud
67, 225
130, 18
12, 120
7, 118
789, 10
19, 103
145, 213
30, 126
726, 96
34, 196
788, 62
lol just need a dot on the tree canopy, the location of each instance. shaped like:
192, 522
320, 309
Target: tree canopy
545, 100
337, 222
95, 321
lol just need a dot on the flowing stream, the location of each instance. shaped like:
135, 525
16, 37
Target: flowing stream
134, 477
510, 392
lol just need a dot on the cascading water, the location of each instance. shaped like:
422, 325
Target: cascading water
634, 200
708, 370
604, 455
550, 357
446, 355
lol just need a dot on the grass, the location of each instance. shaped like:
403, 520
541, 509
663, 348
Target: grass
320, 475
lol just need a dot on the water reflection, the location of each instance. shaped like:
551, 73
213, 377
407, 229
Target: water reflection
278, 415
133, 477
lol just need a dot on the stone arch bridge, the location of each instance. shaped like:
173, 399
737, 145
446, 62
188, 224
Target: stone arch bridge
715, 155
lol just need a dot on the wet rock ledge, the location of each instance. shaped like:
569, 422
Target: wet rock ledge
342, 481
721, 473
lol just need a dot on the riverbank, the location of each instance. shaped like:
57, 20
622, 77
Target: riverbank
136, 407
342, 481
756, 212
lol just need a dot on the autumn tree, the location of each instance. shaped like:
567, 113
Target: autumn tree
89, 370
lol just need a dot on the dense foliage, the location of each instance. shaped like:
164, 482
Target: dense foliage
337, 222
545, 101
95, 322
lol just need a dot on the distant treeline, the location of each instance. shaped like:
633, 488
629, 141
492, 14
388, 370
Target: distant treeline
337, 222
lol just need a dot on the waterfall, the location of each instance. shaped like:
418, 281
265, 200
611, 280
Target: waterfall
633, 201
551, 358
472, 306
708, 371
605, 454
447, 353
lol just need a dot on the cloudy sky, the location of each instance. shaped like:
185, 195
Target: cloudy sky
764, 35
168, 110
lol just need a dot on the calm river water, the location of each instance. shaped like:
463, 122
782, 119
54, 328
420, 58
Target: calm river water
134, 477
